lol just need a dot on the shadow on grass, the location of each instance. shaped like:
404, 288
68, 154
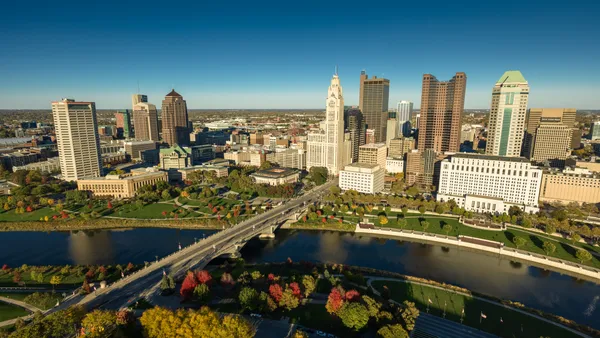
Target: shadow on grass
571, 250
509, 235
537, 241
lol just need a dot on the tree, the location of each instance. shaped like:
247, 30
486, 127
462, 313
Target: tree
296, 290
276, 292
422, 209
202, 293
447, 228
227, 280
550, 229
335, 301
519, 241
167, 283
412, 191
309, 284
318, 175
248, 298
372, 305
409, 315
188, 285
352, 296
402, 223
440, 208
383, 220
354, 315
575, 238
98, 321
583, 255
256, 275
549, 248
55, 280
425, 225
289, 300
300, 334
203, 277
392, 331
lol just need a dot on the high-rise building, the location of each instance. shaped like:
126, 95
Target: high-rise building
138, 98
392, 129
123, 118
374, 153
355, 124
506, 123
77, 138
442, 104
595, 131
145, 120
404, 112
549, 135
370, 136
326, 147
175, 120
373, 103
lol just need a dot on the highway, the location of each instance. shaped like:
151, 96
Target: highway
145, 282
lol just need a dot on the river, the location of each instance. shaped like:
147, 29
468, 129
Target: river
549, 291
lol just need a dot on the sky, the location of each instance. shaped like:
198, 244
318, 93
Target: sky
260, 54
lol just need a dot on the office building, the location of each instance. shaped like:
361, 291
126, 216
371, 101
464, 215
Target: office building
373, 103
52, 165
549, 135
506, 123
123, 118
121, 186
355, 124
256, 138
490, 184
392, 130
442, 104
362, 177
288, 158
76, 130
138, 98
394, 165
220, 171
246, 157
276, 176
570, 185
398, 147
326, 147
202, 153
373, 153
145, 121
176, 157
595, 131
175, 129
421, 167
369, 136
136, 148
404, 111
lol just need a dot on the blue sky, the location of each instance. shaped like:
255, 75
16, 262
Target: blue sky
282, 54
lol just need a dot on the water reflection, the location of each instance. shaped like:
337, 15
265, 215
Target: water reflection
91, 247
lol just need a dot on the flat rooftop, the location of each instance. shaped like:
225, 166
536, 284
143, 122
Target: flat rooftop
490, 157
275, 172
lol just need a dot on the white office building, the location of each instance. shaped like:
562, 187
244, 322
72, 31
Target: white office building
394, 165
405, 109
506, 125
362, 177
490, 184
326, 147
77, 138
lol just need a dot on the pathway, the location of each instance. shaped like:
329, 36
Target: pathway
29, 307
370, 279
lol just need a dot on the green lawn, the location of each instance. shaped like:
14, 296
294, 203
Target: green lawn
12, 216
148, 211
454, 304
47, 303
9, 311
315, 316
202, 203
534, 243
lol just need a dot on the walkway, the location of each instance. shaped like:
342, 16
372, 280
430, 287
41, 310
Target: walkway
29, 308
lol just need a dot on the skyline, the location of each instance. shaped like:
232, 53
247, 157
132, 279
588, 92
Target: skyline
263, 57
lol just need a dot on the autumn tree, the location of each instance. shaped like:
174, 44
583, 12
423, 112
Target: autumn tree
55, 280
392, 331
289, 300
296, 290
227, 280
202, 293
309, 284
188, 285
276, 292
548, 247
203, 277
583, 255
352, 296
248, 298
354, 315
372, 306
409, 314
97, 322
335, 301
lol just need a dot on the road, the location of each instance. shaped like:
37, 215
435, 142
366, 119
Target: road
145, 282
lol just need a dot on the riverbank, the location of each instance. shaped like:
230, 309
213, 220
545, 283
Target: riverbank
110, 224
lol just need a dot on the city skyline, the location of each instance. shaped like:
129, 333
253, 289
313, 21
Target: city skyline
263, 58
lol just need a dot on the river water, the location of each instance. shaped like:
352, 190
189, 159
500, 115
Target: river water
532, 286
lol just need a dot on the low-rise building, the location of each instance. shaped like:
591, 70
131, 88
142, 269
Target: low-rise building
570, 185
202, 153
120, 186
394, 165
276, 176
490, 184
362, 177
373, 153
136, 148
52, 165
288, 157
219, 171
246, 158
176, 157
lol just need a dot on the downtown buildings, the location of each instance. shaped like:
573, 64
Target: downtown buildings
175, 129
77, 137
145, 119
404, 117
329, 147
549, 135
373, 103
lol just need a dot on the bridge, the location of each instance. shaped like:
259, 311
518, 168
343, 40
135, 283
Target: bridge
145, 282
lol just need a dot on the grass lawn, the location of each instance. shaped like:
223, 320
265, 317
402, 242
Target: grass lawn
215, 201
148, 211
12, 216
315, 316
534, 243
9, 311
510, 327
47, 304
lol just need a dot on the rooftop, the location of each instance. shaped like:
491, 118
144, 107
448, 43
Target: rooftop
174, 93
275, 172
373, 145
512, 76
490, 157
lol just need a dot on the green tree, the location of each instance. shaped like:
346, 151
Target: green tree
354, 315
392, 331
583, 255
549, 248
422, 209
55, 280
440, 208
447, 228
288, 300
97, 322
425, 225
372, 306
412, 191
409, 314
248, 298
309, 284
575, 238
256, 275
402, 223
550, 229
318, 175
202, 293
519, 241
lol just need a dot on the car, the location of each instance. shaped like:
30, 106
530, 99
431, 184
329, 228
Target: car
255, 315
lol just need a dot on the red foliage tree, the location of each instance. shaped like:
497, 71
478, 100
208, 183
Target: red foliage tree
210, 206
129, 266
17, 277
176, 216
29, 208
276, 292
109, 205
5, 267
319, 212
164, 213
188, 286
227, 280
324, 220
63, 214
86, 286
54, 217
90, 274
334, 301
214, 210
352, 295
271, 277
219, 217
102, 269
296, 290
203, 277
90, 206
304, 218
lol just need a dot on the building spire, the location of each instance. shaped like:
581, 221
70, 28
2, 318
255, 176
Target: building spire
336, 70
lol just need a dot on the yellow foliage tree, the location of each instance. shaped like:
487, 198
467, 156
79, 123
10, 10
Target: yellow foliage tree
97, 322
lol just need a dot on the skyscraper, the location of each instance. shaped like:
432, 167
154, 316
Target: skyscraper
507, 115
145, 119
175, 120
373, 103
404, 116
595, 131
138, 98
442, 104
123, 123
392, 130
355, 124
326, 147
549, 134
77, 137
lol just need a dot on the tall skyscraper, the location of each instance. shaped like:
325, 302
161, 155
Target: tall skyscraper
392, 130
549, 135
355, 124
175, 120
373, 103
138, 98
77, 137
442, 104
595, 131
405, 109
326, 147
123, 123
145, 119
507, 115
